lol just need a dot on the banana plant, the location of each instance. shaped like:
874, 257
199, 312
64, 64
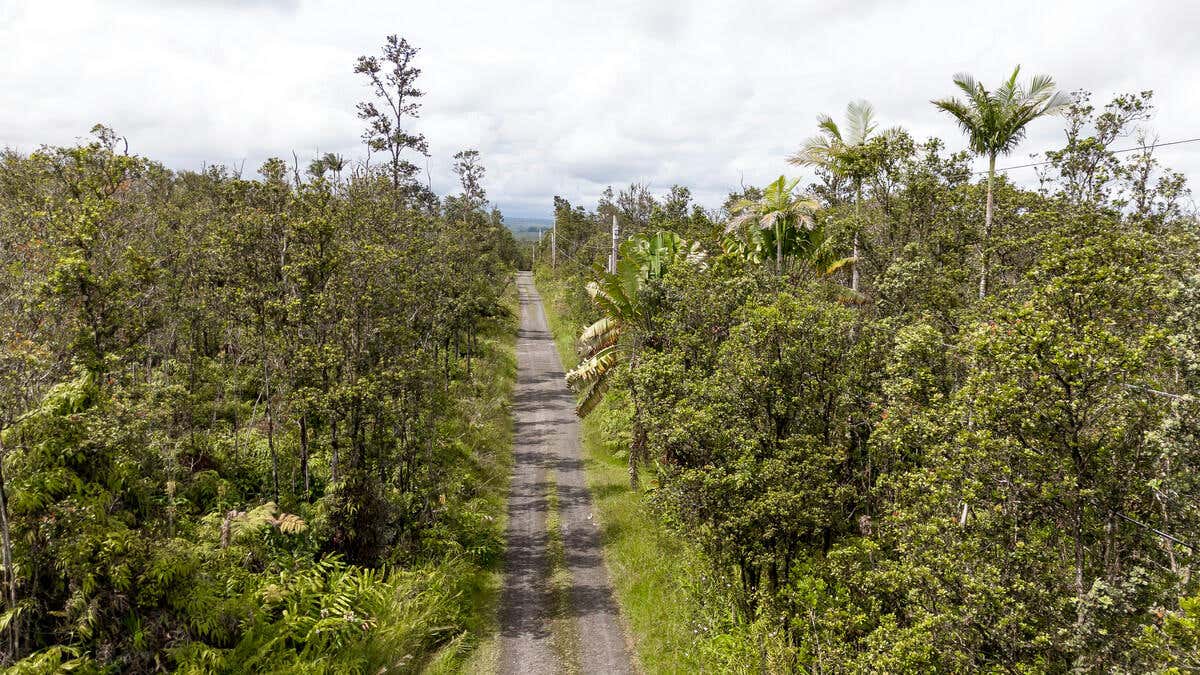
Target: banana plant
620, 296
604, 347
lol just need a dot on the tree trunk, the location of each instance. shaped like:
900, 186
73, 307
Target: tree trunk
987, 230
266, 369
637, 445
333, 447
236, 452
779, 250
271, 430
10, 580
636, 448
857, 227
304, 452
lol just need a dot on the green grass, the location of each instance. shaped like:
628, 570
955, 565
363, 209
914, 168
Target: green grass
649, 565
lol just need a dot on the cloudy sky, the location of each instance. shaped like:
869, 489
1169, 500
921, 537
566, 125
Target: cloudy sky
563, 96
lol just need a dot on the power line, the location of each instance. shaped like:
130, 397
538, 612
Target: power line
1155, 530
1115, 152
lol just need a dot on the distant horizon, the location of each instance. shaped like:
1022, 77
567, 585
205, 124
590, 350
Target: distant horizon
533, 219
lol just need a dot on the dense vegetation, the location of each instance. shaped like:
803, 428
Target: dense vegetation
913, 418
908, 417
250, 424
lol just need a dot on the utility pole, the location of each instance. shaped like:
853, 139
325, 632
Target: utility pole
612, 257
554, 245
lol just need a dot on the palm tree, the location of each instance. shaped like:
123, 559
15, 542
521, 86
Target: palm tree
811, 246
840, 153
781, 218
995, 122
620, 296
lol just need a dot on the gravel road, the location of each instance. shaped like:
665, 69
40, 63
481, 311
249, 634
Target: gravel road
547, 449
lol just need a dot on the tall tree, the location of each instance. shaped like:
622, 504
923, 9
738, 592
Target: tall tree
470, 175
393, 79
842, 153
995, 122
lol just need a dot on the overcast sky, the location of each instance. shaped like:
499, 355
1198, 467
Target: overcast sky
564, 97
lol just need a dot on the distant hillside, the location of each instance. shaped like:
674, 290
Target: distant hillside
527, 228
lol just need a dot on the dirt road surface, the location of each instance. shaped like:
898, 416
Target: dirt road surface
548, 454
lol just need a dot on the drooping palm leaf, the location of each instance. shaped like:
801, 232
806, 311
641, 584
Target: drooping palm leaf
599, 335
594, 367
611, 296
591, 397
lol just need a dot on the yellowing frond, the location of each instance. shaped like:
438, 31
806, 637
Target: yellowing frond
592, 397
593, 368
599, 335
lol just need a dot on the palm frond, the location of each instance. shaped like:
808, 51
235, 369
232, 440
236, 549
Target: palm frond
1008, 95
595, 367
816, 151
803, 211
860, 121
962, 113
967, 83
739, 221
1041, 87
599, 335
830, 268
591, 397
1055, 104
741, 205
768, 220
830, 128
995, 122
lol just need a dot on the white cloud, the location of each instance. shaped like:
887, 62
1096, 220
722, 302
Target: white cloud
562, 96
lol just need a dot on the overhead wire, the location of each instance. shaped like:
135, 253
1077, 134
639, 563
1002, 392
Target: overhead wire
1151, 146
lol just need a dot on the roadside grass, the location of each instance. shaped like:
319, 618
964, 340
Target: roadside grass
650, 566
487, 428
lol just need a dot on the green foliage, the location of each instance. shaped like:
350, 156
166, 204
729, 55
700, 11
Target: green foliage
246, 425
929, 479
626, 298
779, 226
995, 120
